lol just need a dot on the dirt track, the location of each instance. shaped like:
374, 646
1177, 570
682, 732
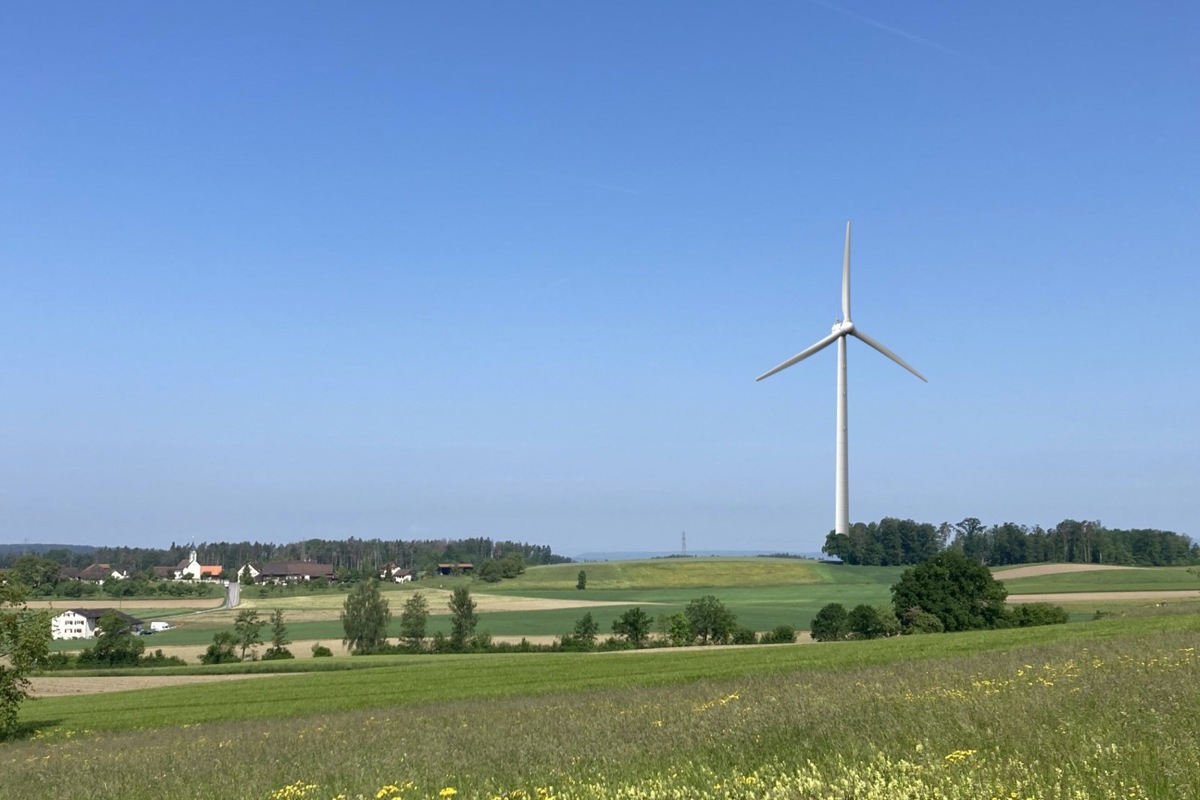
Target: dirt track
1052, 569
57, 687
63, 603
1090, 597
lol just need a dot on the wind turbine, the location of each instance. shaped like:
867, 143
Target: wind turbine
841, 330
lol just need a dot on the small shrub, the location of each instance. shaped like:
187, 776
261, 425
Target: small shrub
917, 620
321, 651
1028, 615
744, 636
782, 634
221, 650
56, 661
158, 659
615, 643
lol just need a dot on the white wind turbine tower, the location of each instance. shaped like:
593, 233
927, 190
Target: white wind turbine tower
841, 330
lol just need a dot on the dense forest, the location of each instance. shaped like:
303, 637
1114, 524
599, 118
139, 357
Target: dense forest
354, 556
891, 542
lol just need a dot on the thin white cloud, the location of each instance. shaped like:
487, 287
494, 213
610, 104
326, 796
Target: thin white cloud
883, 26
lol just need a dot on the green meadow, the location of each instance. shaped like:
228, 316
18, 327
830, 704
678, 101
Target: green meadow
1096, 710
1100, 709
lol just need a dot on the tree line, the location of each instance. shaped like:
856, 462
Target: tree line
902, 542
350, 556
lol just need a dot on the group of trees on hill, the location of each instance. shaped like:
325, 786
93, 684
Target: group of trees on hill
350, 557
897, 542
950, 592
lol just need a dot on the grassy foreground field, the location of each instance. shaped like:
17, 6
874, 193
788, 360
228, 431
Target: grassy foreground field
1096, 710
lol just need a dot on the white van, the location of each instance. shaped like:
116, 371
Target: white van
155, 627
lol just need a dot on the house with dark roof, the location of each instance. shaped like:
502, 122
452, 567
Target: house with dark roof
99, 573
80, 623
293, 571
452, 569
394, 572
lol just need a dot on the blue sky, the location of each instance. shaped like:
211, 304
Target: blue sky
417, 270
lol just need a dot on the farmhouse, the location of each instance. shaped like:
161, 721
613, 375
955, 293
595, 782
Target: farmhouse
394, 572
80, 623
293, 571
99, 573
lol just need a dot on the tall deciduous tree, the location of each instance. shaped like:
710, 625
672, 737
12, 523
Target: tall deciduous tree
279, 639
24, 640
247, 629
462, 618
365, 618
955, 588
116, 643
413, 621
709, 620
634, 625
831, 624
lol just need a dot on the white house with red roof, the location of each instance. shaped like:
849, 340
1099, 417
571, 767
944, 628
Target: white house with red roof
192, 568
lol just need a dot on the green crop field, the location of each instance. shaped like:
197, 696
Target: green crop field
1115, 580
685, 573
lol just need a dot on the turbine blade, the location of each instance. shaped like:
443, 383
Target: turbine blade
886, 352
846, 278
796, 359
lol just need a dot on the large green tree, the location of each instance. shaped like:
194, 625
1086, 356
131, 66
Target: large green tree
279, 639
221, 650
413, 620
463, 618
247, 629
955, 588
24, 640
116, 643
710, 621
365, 618
35, 572
831, 624
634, 625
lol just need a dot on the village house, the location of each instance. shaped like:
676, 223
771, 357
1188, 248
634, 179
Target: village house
293, 571
394, 572
191, 569
80, 623
99, 573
